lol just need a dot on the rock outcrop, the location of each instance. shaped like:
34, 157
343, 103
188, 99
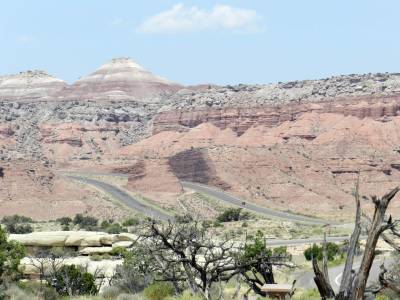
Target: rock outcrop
30, 86
120, 79
88, 242
293, 146
239, 119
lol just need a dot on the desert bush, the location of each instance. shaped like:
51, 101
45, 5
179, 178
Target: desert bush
158, 291
125, 296
281, 251
18, 224
64, 220
233, 214
316, 251
131, 222
309, 294
96, 257
136, 272
16, 293
72, 280
111, 292
85, 222
182, 219
19, 228
17, 219
40, 290
186, 295
119, 251
115, 228
217, 224
10, 255
112, 228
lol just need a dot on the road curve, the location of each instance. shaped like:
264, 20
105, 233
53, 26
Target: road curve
123, 197
306, 280
292, 242
213, 192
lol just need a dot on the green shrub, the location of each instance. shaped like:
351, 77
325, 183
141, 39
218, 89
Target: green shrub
119, 251
96, 257
64, 220
40, 290
233, 214
115, 228
17, 219
131, 222
74, 279
16, 293
19, 228
126, 296
85, 222
316, 251
18, 224
11, 253
218, 224
158, 291
207, 224
105, 224
186, 295
281, 251
111, 292
309, 294
183, 219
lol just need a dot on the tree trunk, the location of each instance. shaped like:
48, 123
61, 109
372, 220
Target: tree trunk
375, 231
347, 278
323, 285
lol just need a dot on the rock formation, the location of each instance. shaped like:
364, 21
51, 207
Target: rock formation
295, 146
30, 85
120, 79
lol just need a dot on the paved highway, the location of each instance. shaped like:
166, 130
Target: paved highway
306, 280
279, 242
219, 195
124, 197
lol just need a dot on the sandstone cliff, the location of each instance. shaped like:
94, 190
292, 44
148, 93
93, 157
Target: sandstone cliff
293, 146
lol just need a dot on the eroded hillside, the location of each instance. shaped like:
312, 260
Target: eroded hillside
295, 146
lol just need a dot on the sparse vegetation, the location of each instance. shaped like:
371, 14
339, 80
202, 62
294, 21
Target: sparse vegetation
10, 255
18, 224
65, 221
233, 214
85, 222
72, 280
158, 291
131, 222
316, 252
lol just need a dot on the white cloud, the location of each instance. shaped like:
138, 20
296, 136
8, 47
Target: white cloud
181, 19
27, 40
116, 22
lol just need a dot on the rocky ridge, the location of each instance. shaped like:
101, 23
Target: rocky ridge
30, 85
306, 139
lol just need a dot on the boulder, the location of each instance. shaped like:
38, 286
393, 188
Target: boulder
41, 239
126, 237
124, 244
64, 239
84, 238
108, 240
95, 250
27, 265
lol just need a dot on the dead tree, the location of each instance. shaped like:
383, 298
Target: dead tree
187, 253
353, 284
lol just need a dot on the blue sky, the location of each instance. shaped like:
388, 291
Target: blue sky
222, 42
